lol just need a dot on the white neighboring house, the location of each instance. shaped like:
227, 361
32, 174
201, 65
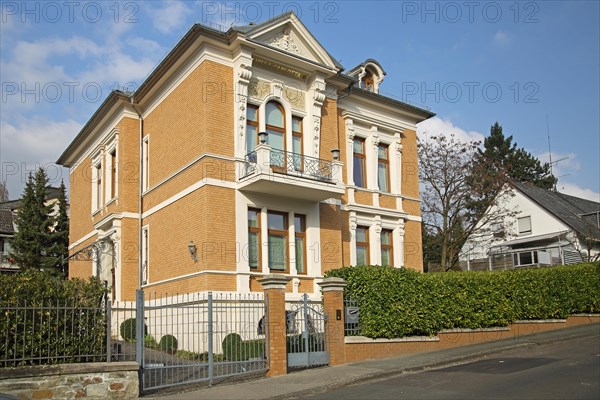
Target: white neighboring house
546, 228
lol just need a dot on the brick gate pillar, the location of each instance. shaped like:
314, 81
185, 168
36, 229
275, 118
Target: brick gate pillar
333, 304
274, 288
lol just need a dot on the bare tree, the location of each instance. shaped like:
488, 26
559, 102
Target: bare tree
3, 192
456, 193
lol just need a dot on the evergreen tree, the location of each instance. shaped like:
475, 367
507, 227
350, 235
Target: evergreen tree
60, 234
26, 243
46, 220
33, 241
501, 154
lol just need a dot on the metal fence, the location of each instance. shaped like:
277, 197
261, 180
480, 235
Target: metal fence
199, 337
351, 317
53, 333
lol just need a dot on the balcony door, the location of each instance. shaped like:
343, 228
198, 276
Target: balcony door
275, 126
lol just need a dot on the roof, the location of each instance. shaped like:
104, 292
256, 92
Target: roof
51, 193
248, 29
117, 97
529, 239
6, 221
579, 214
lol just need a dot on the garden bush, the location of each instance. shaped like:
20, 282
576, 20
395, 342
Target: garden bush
236, 349
128, 330
402, 302
168, 343
63, 319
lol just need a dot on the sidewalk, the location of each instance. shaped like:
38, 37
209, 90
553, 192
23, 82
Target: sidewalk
318, 379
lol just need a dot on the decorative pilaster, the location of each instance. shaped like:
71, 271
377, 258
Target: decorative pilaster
316, 97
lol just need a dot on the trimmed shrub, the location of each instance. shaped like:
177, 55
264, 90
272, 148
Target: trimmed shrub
402, 302
128, 330
236, 349
168, 343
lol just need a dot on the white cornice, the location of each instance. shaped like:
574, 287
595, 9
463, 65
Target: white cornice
104, 133
382, 119
188, 190
83, 239
185, 167
361, 208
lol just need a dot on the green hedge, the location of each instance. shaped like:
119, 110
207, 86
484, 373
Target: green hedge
401, 302
46, 316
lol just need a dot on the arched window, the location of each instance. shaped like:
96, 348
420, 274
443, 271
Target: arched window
275, 125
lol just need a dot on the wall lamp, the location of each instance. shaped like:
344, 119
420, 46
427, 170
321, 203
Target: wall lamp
262, 137
336, 154
193, 251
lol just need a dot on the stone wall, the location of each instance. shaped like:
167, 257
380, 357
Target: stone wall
115, 380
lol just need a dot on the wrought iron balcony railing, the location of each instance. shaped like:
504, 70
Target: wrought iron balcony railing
284, 162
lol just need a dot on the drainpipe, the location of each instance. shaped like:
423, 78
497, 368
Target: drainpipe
141, 189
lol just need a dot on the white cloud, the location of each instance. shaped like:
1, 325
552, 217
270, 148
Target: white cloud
30, 63
439, 126
577, 191
32, 143
502, 38
170, 16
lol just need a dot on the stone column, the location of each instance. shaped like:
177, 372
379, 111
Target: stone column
274, 289
333, 304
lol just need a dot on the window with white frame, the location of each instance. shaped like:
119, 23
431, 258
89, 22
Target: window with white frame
383, 167
362, 245
112, 174
145, 163
251, 127
97, 180
145, 253
387, 248
524, 225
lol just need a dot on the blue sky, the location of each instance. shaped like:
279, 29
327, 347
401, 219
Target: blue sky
472, 63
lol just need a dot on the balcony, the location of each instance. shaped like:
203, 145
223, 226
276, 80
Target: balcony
6, 263
282, 173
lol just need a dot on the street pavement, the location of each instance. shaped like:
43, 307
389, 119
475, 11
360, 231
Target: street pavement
316, 380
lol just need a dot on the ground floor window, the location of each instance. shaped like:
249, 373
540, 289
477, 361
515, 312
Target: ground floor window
362, 245
278, 240
387, 252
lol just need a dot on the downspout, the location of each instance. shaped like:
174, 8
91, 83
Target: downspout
349, 91
141, 189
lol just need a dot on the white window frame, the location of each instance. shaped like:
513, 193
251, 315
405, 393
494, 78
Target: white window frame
145, 162
524, 232
145, 254
97, 198
111, 193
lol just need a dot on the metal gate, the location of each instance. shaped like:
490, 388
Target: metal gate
307, 336
198, 337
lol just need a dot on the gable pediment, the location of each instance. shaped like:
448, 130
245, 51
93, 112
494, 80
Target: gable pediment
288, 34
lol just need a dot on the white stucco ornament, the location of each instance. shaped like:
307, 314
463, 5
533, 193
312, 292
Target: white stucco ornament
284, 41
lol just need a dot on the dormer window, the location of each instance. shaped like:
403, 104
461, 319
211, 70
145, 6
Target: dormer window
369, 75
367, 82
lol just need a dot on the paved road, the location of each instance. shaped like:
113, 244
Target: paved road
561, 370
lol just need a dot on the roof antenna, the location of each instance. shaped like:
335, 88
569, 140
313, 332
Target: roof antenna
550, 150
